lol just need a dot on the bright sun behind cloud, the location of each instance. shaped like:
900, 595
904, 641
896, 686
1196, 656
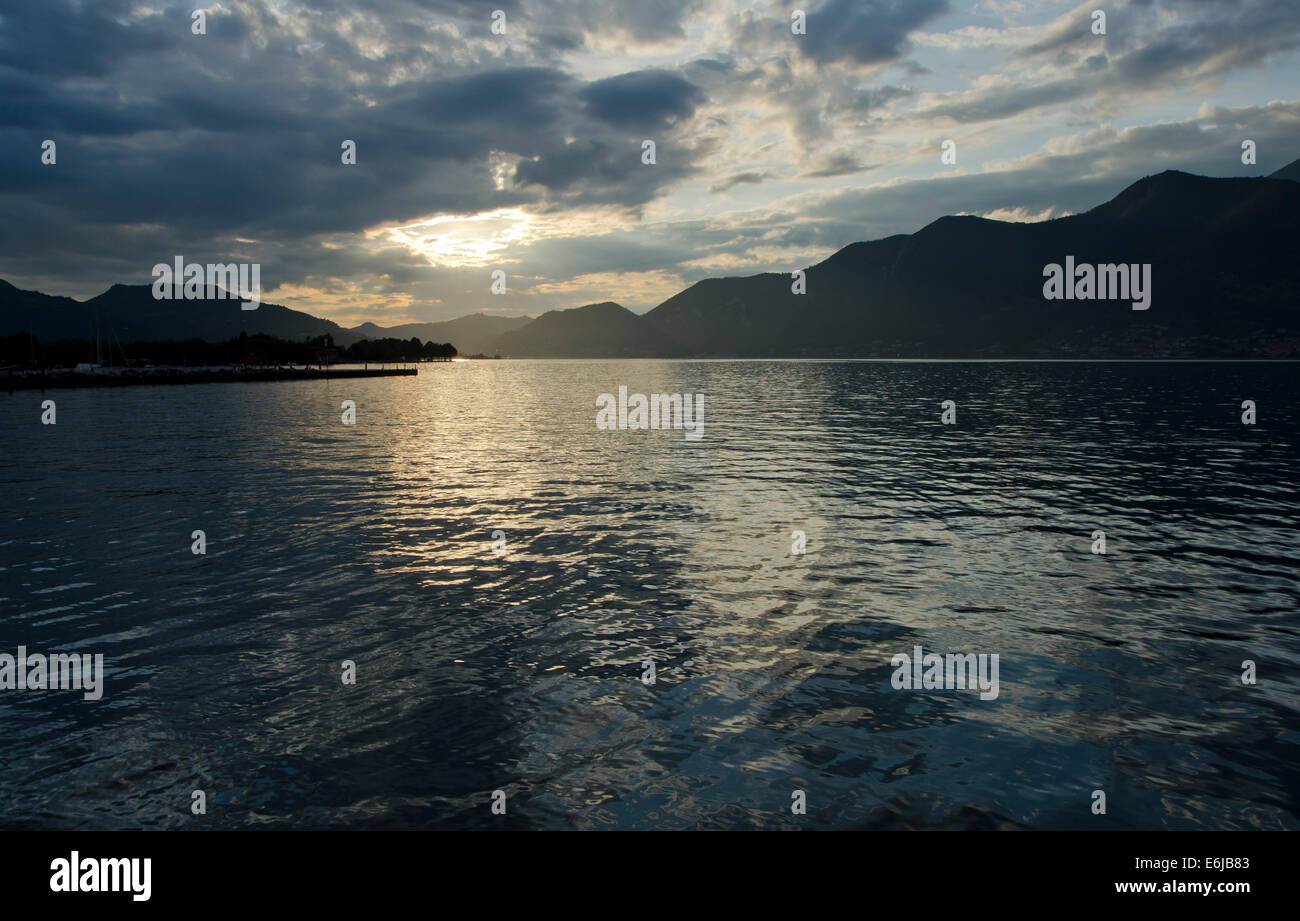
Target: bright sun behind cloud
495, 237
469, 240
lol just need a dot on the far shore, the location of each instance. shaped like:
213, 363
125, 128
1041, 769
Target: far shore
163, 376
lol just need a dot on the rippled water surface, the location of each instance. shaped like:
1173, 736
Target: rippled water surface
521, 672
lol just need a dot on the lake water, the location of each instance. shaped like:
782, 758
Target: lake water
521, 672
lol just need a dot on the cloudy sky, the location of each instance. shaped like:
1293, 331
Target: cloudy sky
523, 151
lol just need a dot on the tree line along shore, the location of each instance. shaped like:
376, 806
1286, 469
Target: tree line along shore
27, 352
27, 363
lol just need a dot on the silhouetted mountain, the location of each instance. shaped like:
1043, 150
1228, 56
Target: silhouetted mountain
472, 334
1290, 171
129, 313
33, 312
605, 330
1224, 282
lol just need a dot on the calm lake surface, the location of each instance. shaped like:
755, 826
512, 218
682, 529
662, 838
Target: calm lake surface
522, 672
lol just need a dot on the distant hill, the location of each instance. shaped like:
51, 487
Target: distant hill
129, 313
605, 330
1290, 171
472, 335
42, 314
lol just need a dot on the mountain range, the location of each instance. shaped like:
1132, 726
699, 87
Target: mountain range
129, 313
1225, 281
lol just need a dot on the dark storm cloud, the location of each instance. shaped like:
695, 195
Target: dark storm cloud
605, 172
647, 100
581, 161
845, 32
33, 102
518, 102
64, 38
191, 141
864, 31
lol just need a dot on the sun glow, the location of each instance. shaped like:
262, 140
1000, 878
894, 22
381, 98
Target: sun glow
470, 240
495, 237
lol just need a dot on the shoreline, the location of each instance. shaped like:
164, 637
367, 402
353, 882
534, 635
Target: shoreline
171, 377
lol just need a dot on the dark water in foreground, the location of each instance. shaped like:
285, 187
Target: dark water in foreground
522, 672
